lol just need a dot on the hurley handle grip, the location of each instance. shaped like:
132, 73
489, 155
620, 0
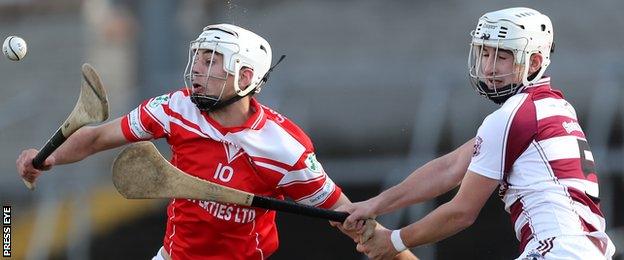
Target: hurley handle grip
55, 141
300, 209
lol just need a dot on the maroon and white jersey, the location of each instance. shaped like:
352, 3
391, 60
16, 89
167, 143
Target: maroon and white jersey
269, 156
535, 147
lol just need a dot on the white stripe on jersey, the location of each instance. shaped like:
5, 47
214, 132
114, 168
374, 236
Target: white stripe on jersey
548, 107
182, 105
157, 119
188, 128
320, 195
272, 141
258, 120
136, 127
300, 176
562, 147
591, 188
585, 212
271, 167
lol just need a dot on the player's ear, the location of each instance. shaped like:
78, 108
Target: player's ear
536, 63
244, 77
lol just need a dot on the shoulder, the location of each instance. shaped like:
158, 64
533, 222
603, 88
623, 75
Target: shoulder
519, 109
166, 99
277, 120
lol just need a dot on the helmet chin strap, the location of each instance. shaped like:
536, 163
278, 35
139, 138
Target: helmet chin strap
207, 103
497, 98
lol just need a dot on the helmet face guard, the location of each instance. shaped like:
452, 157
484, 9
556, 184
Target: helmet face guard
490, 72
205, 80
521, 32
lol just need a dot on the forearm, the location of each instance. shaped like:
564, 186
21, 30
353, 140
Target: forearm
343, 200
89, 140
427, 182
421, 185
77, 147
443, 222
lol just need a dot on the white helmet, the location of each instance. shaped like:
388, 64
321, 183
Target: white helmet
240, 48
521, 30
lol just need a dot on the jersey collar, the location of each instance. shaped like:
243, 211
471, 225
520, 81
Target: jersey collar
255, 122
544, 81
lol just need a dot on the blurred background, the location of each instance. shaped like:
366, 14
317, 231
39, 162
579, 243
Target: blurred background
381, 87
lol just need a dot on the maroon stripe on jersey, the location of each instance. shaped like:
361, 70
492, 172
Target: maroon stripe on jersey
586, 226
582, 198
569, 168
515, 210
525, 236
553, 127
521, 132
543, 92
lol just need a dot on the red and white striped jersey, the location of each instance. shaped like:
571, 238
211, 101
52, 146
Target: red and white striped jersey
536, 148
269, 155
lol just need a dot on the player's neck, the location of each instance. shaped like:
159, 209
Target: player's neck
235, 114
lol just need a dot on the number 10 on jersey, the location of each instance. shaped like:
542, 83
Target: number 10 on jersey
223, 173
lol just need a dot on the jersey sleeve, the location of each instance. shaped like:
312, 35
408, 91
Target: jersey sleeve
503, 137
308, 183
487, 156
148, 121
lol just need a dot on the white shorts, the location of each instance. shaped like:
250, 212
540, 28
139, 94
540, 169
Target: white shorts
568, 247
159, 255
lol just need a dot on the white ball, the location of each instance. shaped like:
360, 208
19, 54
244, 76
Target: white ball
14, 48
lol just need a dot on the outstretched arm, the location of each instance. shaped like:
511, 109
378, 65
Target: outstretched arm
429, 181
84, 142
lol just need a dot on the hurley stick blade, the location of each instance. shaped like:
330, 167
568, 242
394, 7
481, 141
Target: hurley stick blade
141, 172
91, 107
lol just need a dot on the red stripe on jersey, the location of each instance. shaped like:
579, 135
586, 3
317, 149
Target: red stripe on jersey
583, 198
151, 123
302, 181
332, 199
569, 168
522, 131
185, 121
553, 127
125, 129
300, 191
525, 236
273, 162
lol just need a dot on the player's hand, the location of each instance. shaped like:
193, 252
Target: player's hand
359, 212
352, 233
25, 167
379, 246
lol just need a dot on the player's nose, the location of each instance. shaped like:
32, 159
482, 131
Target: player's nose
489, 67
